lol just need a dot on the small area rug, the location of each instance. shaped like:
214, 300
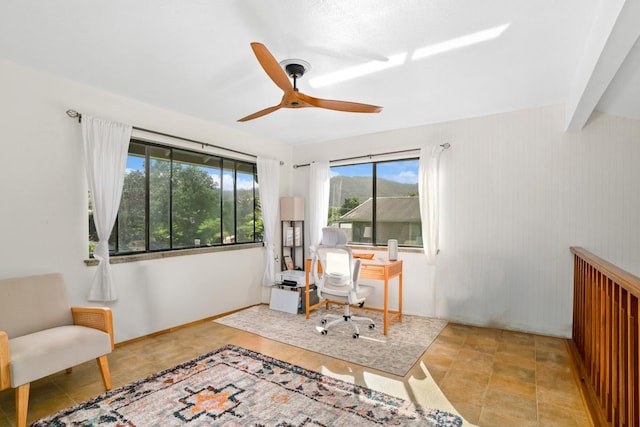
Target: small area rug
394, 353
233, 386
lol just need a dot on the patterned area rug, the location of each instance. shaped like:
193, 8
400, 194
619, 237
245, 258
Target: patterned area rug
395, 353
233, 386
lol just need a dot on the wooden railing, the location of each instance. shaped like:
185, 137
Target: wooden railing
605, 338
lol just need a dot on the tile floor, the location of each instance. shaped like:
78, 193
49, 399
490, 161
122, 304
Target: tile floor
492, 377
502, 378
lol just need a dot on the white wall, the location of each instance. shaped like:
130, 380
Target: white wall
43, 213
517, 191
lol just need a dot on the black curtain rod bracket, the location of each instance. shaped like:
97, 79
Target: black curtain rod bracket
73, 114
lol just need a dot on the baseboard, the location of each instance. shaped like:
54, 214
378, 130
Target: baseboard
587, 393
183, 326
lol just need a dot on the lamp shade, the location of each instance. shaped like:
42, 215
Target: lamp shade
291, 209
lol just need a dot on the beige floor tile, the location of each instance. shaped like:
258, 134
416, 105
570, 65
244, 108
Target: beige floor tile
482, 344
554, 376
484, 332
559, 345
516, 350
562, 396
552, 358
446, 346
475, 361
519, 338
437, 373
456, 331
509, 359
510, 404
463, 386
493, 418
471, 412
554, 416
515, 373
513, 385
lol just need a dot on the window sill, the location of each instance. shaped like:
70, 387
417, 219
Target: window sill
358, 248
122, 259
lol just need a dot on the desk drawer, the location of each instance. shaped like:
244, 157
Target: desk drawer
372, 272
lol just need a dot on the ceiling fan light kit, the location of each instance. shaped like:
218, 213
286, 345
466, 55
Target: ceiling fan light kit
292, 97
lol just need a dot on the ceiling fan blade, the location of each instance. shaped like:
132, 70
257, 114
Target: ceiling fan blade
353, 107
260, 113
272, 67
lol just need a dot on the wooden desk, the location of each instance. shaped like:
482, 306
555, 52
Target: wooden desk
372, 269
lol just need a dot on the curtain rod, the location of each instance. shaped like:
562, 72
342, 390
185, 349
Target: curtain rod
369, 156
73, 114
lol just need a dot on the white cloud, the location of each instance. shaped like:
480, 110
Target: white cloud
406, 177
244, 184
241, 184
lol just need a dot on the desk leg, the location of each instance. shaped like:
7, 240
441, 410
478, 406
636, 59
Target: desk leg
306, 287
386, 304
400, 297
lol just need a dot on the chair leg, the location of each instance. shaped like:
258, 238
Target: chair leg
22, 404
347, 317
103, 363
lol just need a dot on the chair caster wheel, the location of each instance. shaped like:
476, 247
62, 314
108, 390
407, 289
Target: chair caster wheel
372, 325
323, 332
323, 321
355, 336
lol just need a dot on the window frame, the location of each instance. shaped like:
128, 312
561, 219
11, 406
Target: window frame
238, 166
374, 201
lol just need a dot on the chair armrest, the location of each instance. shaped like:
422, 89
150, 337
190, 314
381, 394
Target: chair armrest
94, 317
5, 379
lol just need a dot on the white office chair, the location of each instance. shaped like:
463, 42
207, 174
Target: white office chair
338, 281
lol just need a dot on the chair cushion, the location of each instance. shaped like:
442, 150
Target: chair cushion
33, 303
46, 352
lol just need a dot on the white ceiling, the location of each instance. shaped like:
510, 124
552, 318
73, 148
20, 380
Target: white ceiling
194, 57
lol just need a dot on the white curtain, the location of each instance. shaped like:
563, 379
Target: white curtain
428, 186
269, 184
106, 145
319, 178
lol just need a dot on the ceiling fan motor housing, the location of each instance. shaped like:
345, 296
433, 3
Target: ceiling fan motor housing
295, 70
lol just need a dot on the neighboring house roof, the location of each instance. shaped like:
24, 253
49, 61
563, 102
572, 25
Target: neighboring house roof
390, 209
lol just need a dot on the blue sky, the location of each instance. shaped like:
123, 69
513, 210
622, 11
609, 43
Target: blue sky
245, 181
135, 163
405, 171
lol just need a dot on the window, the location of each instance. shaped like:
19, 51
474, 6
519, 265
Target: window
377, 201
177, 199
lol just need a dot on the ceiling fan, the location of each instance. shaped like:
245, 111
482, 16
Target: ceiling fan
293, 98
